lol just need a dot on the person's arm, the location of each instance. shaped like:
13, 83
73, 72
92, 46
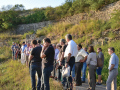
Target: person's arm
85, 58
68, 58
88, 60
42, 53
30, 58
112, 62
112, 66
32, 54
84, 54
62, 57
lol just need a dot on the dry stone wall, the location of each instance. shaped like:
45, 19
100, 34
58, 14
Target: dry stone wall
21, 29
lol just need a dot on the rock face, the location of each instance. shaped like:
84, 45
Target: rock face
21, 29
29, 38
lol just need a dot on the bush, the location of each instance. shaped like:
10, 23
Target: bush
28, 33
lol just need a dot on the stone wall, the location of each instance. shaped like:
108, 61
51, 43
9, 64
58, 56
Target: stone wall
21, 29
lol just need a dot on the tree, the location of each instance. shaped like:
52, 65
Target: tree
18, 7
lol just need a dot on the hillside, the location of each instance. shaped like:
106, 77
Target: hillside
98, 26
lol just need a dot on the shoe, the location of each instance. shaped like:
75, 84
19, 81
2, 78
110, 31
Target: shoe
55, 78
78, 85
83, 81
51, 76
89, 89
98, 83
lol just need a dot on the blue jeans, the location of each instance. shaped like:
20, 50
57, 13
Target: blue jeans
35, 67
46, 72
73, 71
84, 71
59, 74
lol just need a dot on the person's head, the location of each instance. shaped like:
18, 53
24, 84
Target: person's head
46, 42
91, 49
111, 50
13, 43
23, 43
59, 47
34, 43
39, 41
68, 37
19, 45
54, 46
62, 42
99, 50
79, 46
85, 48
28, 44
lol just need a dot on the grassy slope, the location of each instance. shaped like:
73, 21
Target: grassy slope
14, 75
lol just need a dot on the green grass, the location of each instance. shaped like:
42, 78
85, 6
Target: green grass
15, 75
5, 53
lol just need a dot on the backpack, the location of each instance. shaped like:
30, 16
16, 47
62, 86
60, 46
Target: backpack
99, 62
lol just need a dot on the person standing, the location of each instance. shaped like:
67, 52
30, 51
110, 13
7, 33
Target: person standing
79, 59
113, 69
70, 54
47, 55
84, 68
27, 52
13, 50
19, 52
92, 64
55, 60
35, 66
39, 43
99, 69
22, 52
61, 59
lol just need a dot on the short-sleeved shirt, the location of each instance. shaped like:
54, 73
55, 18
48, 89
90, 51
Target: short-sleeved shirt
49, 59
23, 48
27, 50
113, 60
13, 47
36, 54
71, 48
101, 55
81, 55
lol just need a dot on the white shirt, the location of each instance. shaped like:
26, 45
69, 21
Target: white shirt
80, 56
71, 48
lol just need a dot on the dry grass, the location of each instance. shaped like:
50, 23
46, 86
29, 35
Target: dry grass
15, 76
4, 36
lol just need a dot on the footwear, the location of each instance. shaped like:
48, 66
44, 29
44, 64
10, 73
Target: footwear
98, 83
83, 81
78, 85
89, 89
51, 76
55, 78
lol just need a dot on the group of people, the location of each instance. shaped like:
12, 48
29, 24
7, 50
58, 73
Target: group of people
48, 60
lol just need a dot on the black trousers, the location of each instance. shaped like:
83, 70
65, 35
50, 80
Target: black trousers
78, 68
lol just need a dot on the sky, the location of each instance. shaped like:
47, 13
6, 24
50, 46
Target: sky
30, 4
